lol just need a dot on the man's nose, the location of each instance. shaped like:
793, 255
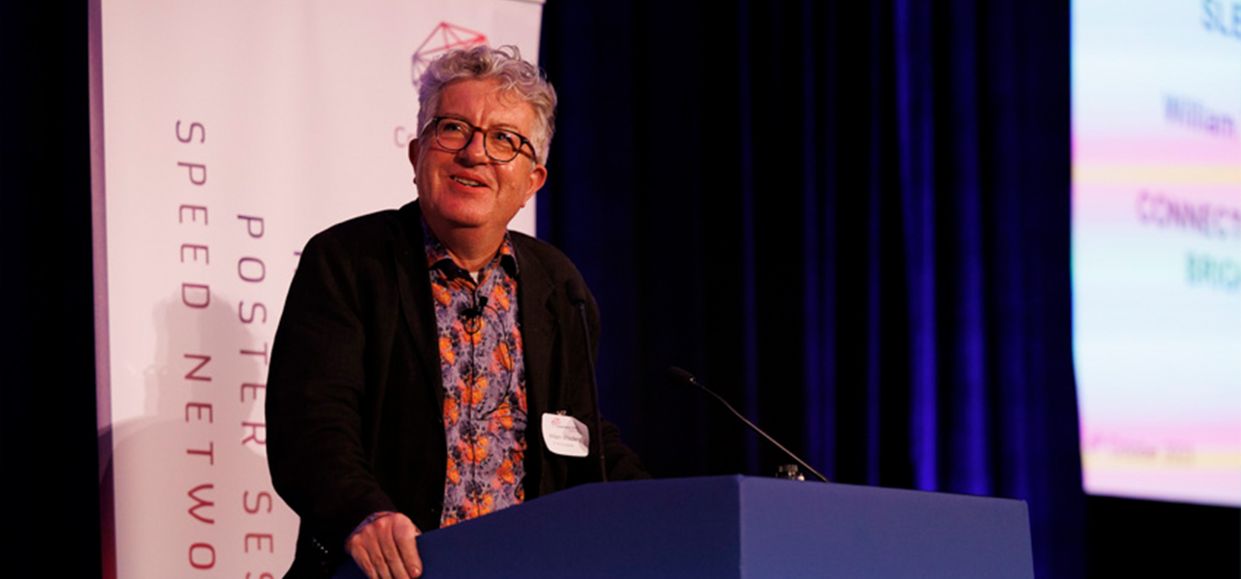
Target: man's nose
475, 151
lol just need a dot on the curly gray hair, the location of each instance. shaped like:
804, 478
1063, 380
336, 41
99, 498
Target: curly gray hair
503, 64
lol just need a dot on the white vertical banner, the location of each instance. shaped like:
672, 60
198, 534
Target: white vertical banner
225, 134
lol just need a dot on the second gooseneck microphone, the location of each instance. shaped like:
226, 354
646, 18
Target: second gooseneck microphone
686, 377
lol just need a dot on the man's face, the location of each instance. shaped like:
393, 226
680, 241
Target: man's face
466, 189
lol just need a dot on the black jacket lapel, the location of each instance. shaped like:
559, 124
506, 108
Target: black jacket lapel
415, 288
535, 291
536, 296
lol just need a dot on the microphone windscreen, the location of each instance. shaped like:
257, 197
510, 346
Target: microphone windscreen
681, 374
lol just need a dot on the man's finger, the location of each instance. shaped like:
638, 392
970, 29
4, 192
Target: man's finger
392, 556
364, 561
381, 565
365, 550
376, 558
407, 543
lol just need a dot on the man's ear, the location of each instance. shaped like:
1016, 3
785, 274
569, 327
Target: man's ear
413, 153
538, 176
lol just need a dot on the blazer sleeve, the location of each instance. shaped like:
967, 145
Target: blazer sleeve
316, 394
622, 462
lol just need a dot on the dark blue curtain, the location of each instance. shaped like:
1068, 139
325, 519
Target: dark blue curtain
852, 219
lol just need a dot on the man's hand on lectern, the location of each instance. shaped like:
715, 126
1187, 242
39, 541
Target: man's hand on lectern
385, 547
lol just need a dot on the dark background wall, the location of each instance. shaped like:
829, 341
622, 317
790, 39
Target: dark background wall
851, 219
47, 393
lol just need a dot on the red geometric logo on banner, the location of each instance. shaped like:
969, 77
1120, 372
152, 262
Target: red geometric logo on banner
445, 37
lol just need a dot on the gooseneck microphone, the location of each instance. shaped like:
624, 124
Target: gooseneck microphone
577, 297
684, 376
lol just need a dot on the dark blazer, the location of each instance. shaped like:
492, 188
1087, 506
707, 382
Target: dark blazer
355, 394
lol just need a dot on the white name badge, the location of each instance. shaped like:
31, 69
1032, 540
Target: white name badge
565, 435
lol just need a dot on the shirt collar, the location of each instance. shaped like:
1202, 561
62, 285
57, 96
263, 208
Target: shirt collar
439, 258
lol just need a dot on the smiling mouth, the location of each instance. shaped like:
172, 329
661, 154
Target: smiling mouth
467, 182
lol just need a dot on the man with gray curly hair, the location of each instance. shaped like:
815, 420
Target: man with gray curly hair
432, 366
513, 75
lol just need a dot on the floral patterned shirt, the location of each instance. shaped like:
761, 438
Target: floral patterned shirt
484, 382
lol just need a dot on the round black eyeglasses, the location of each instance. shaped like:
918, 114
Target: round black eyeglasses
501, 145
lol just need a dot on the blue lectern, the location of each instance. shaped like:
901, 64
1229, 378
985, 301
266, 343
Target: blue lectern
741, 527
